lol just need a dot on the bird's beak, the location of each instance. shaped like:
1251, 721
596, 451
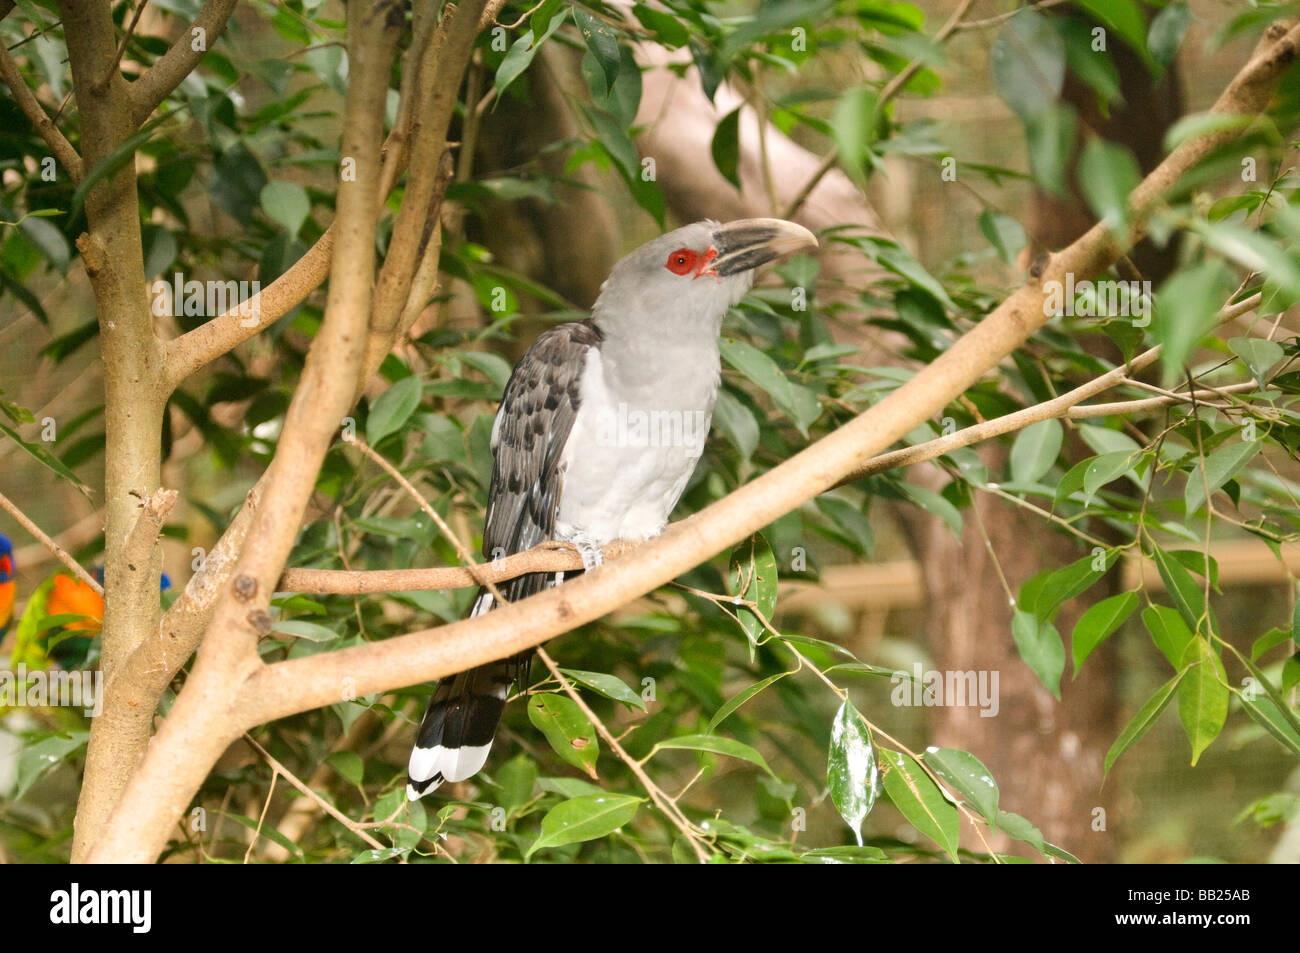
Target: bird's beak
749, 242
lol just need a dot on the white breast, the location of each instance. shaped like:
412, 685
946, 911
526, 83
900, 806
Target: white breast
632, 451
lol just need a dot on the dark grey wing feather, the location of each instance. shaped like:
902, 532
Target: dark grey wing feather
533, 425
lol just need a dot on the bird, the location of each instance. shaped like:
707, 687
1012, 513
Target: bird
599, 429
81, 610
6, 583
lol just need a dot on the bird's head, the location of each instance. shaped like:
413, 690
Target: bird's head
6, 559
693, 274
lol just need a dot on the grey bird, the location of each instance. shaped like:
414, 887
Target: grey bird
600, 427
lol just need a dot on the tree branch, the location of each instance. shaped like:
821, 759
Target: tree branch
59, 552
178, 62
35, 113
204, 720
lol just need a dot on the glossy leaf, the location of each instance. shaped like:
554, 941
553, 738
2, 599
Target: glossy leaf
919, 800
1202, 695
567, 730
584, 818
851, 771
1098, 623
968, 777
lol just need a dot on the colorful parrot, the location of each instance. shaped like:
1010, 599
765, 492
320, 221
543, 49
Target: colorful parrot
6, 583
62, 619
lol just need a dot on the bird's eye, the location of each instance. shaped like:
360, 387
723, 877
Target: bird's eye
682, 261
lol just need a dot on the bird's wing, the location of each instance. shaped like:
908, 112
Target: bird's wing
532, 427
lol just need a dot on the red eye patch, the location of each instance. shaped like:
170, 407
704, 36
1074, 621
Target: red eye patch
683, 261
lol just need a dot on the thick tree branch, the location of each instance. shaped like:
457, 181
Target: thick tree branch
35, 113
203, 722
178, 62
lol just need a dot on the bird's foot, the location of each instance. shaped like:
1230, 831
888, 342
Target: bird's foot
590, 551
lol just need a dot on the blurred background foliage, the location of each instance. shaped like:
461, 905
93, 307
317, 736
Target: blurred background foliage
969, 147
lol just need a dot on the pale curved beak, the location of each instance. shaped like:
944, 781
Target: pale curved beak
749, 242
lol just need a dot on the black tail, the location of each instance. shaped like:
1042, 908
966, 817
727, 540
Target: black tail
458, 726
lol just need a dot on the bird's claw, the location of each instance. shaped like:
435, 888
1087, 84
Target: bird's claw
590, 551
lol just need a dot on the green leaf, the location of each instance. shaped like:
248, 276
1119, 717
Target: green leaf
1105, 469
737, 423
1097, 624
667, 29
1186, 310
1125, 18
614, 137
919, 800
516, 779
286, 203
1004, 233
584, 818
1270, 640
968, 776
1028, 63
934, 504
1202, 695
521, 53
1187, 594
1167, 30
1269, 717
715, 744
735, 701
38, 757
1107, 174
798, 403
566, 728
726, 147
1143, 720
392, 409
1169, 632
348, 764
1035, 450
46, 459
851, 771
854, 127
311, 631
1216, 470
753, 578
1044, 593
1258, 354
601, 40
610, 686
1041, 647
1051, 136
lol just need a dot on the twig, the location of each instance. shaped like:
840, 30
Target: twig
59, 552
662, 800
323, 804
